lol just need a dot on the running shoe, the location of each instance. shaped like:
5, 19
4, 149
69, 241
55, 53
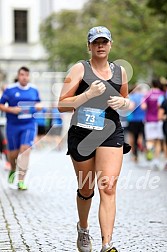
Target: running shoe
83, 242
11, 177
108, 248
149, 155
22, 186
113, 249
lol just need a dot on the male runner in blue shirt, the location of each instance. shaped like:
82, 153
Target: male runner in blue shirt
22, 99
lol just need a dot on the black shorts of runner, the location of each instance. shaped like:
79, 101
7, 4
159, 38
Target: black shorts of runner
165, 130
41, 130
136, 128
76, 135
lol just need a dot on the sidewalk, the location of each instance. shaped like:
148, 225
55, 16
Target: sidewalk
44, 217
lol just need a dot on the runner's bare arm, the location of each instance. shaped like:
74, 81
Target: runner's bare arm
71, 83
117, 102
161, 114
68, 101
8, 109
124, 90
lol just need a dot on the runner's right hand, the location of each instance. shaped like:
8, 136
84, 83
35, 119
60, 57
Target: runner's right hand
97, 88
15, 110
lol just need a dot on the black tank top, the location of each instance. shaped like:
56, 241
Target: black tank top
113, 87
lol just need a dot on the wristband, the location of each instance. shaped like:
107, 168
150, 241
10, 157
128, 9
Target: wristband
124, 105
86, 96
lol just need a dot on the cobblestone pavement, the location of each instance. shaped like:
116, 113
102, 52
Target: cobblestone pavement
44, 217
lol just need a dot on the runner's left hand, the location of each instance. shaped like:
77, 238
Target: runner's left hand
38, 106
116, 102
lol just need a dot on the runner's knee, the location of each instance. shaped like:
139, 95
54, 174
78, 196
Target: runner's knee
109, 188
85, 195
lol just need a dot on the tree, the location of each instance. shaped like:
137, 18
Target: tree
159, 8
139, 36
63, 37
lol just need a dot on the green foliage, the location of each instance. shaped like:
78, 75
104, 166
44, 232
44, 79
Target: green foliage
159, 8
139, 36
63, 37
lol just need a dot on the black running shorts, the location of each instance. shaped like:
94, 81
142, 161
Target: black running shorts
82, 144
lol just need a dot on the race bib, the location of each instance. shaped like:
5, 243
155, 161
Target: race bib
91, 118
25, 113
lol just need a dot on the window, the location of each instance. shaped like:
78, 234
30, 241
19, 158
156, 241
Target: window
20, 26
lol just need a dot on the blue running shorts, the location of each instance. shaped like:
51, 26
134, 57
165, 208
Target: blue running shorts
18, 135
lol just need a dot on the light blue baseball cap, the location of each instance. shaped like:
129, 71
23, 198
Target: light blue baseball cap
99, 32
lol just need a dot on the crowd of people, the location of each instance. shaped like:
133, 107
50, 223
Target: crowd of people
146, 123
49, 128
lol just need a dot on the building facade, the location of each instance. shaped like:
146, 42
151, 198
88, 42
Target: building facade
20, 41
